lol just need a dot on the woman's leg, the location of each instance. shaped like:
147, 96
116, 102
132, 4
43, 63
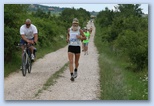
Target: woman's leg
84, 48
70, 57
87, 48
77, 56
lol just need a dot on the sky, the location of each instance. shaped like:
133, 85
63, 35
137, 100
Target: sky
95, 7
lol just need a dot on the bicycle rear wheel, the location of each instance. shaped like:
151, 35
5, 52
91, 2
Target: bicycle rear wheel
29, 64
24, 64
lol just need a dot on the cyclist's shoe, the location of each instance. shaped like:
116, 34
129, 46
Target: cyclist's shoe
75, 74
32, 56
72, 78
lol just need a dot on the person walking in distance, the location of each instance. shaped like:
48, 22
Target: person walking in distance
74, 37
85, 42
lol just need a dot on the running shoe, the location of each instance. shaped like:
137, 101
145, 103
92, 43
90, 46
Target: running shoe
72, 78
75, 74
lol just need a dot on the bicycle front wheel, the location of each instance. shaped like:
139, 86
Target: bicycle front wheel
24, 64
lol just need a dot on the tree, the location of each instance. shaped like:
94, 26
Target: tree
105, 17
68, 14
130, 9
12, 17
126, 31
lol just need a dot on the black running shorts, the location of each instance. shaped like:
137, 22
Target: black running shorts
74, 49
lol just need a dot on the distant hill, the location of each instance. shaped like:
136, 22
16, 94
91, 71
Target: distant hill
52, 9
34, 7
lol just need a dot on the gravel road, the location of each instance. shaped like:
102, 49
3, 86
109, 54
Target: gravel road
85, 87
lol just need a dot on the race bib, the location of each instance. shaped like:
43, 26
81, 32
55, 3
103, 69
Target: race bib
73, 39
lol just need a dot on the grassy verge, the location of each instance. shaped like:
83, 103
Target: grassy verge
117, 82
14, 65
52, 79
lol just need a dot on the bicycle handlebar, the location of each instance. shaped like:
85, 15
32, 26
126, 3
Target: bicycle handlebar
26, 44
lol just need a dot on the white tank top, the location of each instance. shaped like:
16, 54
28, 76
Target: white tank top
73, 41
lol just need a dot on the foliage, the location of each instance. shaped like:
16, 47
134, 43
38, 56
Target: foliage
69, 13
47, 25
117, 82
127, 32
129, 9
52, 30
12, 14
105, 18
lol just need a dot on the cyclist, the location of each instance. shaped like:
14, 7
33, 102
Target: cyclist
74, 37
85, 42
28, 33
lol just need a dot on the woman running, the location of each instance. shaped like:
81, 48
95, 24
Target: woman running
74, 37
85, 42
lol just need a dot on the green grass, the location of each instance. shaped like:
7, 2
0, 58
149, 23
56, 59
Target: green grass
137, 87
14, 65
52, 79
116, 80
112, 79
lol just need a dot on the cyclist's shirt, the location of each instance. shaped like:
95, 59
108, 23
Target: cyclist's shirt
87, 34
73, 40
28, 32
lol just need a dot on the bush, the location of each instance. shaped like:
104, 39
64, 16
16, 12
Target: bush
126, 32
135, 46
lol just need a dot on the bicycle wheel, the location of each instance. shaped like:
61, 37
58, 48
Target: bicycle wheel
29, 65
24, 63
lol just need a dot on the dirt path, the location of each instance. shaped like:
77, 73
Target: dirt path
85, 86
18, 87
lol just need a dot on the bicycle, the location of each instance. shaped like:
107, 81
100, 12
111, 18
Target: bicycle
26, 59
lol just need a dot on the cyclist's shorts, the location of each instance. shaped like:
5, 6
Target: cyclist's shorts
74, 49
85, 44
23, 42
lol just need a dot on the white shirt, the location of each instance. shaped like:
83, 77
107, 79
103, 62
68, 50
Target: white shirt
73, 39
28, 32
